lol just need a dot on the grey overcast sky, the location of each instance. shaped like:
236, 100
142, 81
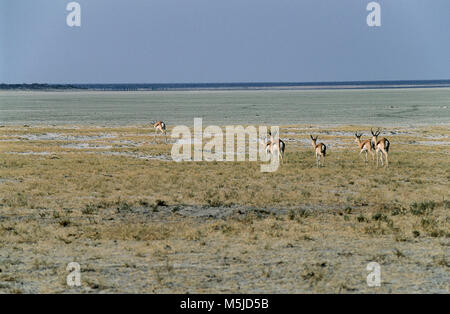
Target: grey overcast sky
168, 41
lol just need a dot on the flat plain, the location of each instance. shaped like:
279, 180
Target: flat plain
112, 199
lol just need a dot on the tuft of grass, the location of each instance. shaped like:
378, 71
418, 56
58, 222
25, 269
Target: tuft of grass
160, 203
305, 194
420, 208
313, 274
123, 206
446, 204
89, 209
64, 222
361, 218
298, 214
398, 253
144, 202
377, 216
441, 261
398, 211
348, 210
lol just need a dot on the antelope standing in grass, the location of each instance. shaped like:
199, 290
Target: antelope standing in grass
319, 149
160, 126
364, 146
381, 146
272, 145
267, 145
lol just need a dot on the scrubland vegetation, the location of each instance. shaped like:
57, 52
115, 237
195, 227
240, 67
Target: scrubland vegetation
112, 200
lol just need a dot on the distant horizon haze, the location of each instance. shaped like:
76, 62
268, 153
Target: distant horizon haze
418, 83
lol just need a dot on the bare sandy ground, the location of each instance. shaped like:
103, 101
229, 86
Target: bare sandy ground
138, 250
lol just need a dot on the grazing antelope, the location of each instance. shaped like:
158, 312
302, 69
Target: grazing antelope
273, 145
380, 146
319, 149
364, 146
160, 126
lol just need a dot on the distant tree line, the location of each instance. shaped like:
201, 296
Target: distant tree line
228, 86
36, 86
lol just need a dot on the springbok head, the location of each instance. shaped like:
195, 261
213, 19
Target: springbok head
357, 136
374, 135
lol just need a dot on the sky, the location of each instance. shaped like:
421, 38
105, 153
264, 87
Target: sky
187, 41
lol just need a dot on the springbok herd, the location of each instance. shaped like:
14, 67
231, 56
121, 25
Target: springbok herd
373, 146
380, 147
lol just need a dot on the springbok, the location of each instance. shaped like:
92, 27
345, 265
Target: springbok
364, 146
319, 149
266, 143
380, 146
160, 126
272, 145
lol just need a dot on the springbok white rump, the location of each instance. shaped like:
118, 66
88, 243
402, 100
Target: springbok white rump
275, 145
381, 147
320, 150
160, 126
364, 146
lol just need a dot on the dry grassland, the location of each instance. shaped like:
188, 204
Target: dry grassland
112, 200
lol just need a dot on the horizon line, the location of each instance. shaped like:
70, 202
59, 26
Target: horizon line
243, 82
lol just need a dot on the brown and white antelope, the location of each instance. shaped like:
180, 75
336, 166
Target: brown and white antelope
364, 146
274, 145
319, 149
381, 146
160, 126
